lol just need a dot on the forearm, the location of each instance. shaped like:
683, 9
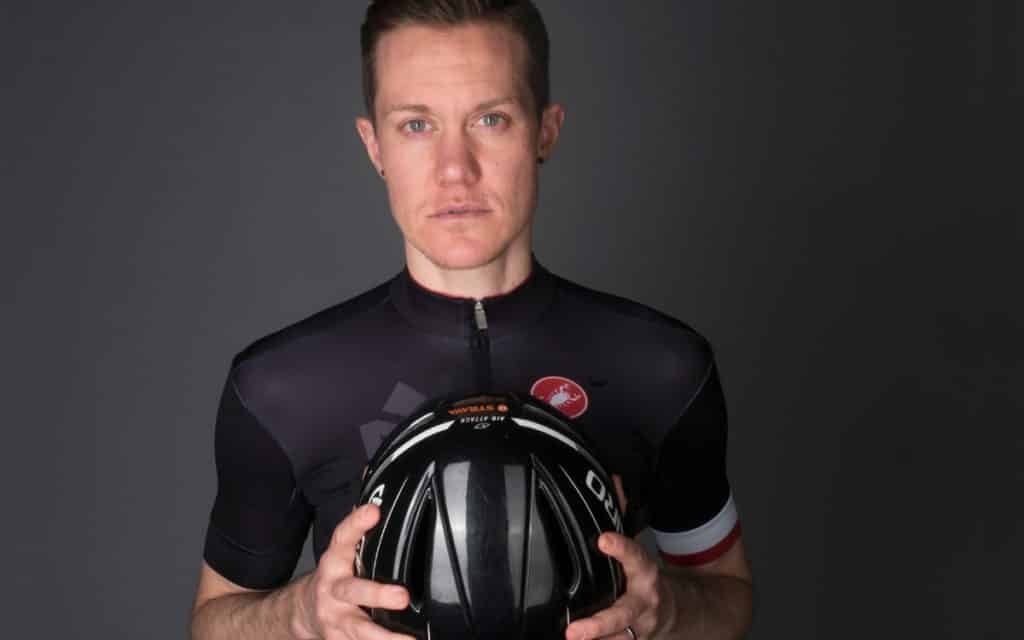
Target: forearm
703, 606
253, 615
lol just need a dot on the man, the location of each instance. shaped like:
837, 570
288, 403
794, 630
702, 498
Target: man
459, 121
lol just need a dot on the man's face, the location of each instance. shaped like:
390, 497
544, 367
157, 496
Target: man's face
458, 140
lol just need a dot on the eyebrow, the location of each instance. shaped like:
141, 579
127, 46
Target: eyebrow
422, 108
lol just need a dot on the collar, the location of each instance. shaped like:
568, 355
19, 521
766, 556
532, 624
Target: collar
450, 316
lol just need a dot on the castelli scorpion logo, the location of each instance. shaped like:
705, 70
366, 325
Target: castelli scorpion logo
561, 393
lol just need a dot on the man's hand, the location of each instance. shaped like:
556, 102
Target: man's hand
713, 600
329, 606
638, 607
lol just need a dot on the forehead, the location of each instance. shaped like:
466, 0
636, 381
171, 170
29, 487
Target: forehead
428, 65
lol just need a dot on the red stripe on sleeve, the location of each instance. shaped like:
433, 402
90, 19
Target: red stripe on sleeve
703, 557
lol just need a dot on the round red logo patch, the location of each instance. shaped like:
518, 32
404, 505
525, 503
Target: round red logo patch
562, 394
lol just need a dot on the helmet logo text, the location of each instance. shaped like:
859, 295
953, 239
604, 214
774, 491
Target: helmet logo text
478, 408
605, 497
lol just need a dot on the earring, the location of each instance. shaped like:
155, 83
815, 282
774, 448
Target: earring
382, 174
540, 160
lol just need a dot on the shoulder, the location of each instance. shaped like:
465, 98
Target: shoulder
646, 332
302, 340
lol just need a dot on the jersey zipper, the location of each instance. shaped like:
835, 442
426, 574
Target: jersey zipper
480, 345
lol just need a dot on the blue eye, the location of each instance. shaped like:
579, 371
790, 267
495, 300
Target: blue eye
415, 126
492, 119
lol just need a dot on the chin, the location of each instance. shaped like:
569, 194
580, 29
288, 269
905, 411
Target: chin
463, 255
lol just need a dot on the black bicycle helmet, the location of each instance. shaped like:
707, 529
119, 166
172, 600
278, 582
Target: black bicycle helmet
490, 511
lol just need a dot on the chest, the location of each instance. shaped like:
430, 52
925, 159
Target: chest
359, 406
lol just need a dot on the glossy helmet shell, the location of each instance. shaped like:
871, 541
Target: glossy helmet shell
490, 511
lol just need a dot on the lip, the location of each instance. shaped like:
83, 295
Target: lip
463, 210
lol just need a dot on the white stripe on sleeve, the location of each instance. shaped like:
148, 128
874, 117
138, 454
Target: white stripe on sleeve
704, 537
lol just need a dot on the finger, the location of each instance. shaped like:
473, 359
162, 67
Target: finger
620, 491
350, 530
606, 622
367, 593
628, 552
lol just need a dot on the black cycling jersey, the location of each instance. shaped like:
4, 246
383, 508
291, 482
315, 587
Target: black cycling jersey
304, 408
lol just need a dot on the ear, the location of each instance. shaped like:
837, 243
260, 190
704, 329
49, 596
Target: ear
551, 121
369, 137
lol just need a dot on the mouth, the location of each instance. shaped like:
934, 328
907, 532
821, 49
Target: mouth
456, 212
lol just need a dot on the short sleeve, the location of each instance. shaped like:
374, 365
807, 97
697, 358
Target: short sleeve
259, 520
693, 514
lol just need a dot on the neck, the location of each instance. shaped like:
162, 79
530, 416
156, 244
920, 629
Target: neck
498, 277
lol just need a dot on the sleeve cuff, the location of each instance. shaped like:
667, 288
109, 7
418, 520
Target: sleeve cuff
704, 543
246, 568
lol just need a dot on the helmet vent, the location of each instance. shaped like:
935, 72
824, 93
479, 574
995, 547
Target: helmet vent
551, 509
565, 565
415, 563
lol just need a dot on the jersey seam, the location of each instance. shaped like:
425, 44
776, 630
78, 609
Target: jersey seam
660, 319
321, 321
245, 405
686, 407
291, 469
241, 399
269, 432
335, 325
271, 552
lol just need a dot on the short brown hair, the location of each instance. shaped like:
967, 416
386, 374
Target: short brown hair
521, 16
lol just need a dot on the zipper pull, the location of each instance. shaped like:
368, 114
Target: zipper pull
481, 317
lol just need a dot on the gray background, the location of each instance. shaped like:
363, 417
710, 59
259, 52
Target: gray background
821, 188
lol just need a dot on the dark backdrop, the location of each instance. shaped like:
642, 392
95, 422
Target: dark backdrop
824, 189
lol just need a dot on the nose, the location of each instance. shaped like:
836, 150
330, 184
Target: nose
457, 159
